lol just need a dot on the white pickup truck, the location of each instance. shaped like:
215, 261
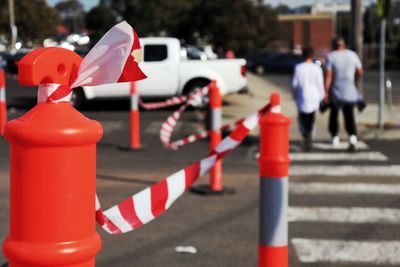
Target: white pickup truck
170, 74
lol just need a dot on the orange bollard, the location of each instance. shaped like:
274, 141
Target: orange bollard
134, 118
215, 187
274, 167
52, 173
216, 183
3, 105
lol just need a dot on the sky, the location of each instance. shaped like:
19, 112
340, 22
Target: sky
88, 4
294, 3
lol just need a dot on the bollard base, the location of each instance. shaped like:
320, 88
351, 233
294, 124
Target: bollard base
207, 191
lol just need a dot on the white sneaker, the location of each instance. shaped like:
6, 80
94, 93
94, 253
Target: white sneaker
352, 143
335, 141
353, 140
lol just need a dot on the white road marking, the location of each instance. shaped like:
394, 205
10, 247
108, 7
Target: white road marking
377, 252
345, 170
344, 215
340, 188
153, 127
342, 145
372, 156
110, 126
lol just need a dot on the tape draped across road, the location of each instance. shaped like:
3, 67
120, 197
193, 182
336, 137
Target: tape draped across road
153, 201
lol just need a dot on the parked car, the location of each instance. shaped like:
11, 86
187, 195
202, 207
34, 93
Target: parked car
194, 53
274, 62
169, 75
12, 60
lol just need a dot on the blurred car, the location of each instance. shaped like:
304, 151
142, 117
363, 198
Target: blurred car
3, 62
194, 53
283, 62
13, 59
256, 62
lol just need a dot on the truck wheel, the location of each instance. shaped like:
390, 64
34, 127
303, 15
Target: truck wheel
191, 87
78, 98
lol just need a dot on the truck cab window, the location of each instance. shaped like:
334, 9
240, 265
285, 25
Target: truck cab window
155, 53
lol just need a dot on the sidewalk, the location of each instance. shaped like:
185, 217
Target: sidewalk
261, 88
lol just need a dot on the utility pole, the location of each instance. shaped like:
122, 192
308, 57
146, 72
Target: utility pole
13, 28
383, 12
357, 33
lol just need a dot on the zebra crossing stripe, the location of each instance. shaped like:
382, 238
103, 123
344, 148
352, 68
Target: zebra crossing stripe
345, 170
371, 252
342, 146
346, 188
370, 156
355, 215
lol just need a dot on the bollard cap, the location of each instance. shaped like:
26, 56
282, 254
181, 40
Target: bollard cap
54, 124
274, 142
215, 95
48, 65
275, 99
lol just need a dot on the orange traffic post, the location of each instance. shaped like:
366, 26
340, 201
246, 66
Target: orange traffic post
134, 118
274, 167
216, 183
3, 103
215, 186
52, 173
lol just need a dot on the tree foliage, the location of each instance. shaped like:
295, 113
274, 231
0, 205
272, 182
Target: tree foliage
34, 19
100, 19
241, 25
72, 14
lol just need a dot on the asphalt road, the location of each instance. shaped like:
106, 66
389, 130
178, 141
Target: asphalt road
344, 209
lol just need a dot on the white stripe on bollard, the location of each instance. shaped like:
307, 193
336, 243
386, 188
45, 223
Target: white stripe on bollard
216, 119
2, 95
134, 102
273, 212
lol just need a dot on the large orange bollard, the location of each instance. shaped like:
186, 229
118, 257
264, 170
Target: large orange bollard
216, 183
52, 173
274, 167
134, 118
3, 105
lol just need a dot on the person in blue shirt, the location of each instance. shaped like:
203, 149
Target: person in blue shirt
308, 91
343, 67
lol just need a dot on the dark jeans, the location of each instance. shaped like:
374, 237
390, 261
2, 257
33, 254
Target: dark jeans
349, 120
306, 121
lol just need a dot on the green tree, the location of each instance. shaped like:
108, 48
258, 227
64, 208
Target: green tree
99, 20
72, 14
241, 25
34, 19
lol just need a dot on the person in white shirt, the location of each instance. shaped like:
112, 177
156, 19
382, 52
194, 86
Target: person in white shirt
308, 91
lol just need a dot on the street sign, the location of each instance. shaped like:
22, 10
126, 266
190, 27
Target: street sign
383, 8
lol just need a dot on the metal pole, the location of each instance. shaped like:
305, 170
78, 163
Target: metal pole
13, 28
357, 33
382, 75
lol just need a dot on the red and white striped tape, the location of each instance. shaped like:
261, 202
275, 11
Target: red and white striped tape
168, 126
114, 58
153, 201
176, 100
